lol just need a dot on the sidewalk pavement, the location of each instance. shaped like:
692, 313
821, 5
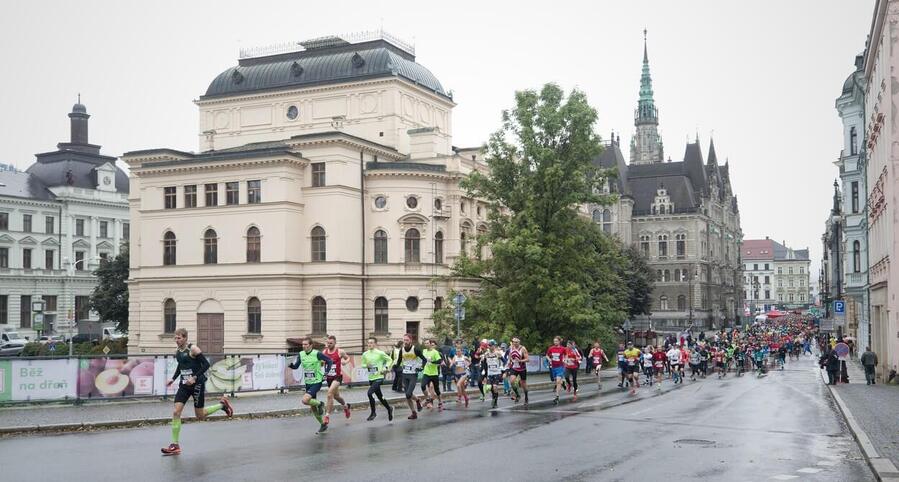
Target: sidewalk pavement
873, 416
137, 412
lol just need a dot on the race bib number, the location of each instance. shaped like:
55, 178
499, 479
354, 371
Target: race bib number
597, 361
555, 357
333, 371
373, 370
185, 374
410, 367
631, 361
493, 367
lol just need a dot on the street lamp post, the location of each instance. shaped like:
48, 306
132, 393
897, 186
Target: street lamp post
70, 269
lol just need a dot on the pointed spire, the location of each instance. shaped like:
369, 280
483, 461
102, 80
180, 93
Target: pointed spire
713, 158
645, 54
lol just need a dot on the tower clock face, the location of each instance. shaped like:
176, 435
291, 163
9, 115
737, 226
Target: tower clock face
106, 180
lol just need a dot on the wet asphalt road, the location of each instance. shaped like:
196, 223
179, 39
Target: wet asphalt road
780, 427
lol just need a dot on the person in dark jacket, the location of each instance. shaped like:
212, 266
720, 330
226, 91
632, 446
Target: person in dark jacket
869, 361
830, 362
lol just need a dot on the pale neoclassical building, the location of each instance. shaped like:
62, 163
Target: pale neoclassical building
325, 200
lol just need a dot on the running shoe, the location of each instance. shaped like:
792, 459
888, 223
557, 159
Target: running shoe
440, 407
556, 400
172, 449
346, 410
226, 406
323, 428
494, 403
389, 414
575, 396
371, 417
413, 416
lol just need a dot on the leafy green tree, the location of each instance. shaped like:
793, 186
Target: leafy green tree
640, 278
551, 271
110, 298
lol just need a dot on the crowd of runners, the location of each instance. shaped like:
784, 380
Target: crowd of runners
501, 370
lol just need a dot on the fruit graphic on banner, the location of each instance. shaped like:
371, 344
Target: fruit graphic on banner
227, 374
108, 377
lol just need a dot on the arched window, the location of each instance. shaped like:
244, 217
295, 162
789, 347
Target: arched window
853, 141
169, 316
681, 245
667, 275
677, 274
482, 233
380, 247
663, 303
254, 315
210, 247
169, 243
663, 246
597, 216
413, 246
381, 315
319, 315
318, 244
661, 209
254, 246
438, 247
681, 303
856, 257
607, 221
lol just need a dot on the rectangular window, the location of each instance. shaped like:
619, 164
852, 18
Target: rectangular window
25, 311
26, 258
318, 174
801, 269
766, 266
663, 249
104, 229
79, 227
49, 303
169, 196
212, 194
767, 294
232, 193
104, 258
854, 197
681, 248
79, 260
48, 259
767, 280
126, 232
644, 247
26, 223
755, 267
49, 225
780, 270
4, 257
4, 309
254, 192
82, 312
190, 196
4, 221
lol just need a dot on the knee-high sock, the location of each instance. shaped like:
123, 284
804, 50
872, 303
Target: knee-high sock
213, 408
176, 429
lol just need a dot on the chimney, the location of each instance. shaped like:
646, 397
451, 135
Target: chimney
78, 122
423, 143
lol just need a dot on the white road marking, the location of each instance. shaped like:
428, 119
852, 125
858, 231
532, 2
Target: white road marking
808, 470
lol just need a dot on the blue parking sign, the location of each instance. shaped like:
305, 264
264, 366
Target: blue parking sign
839, 306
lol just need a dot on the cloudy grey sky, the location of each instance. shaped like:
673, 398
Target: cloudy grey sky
761, 76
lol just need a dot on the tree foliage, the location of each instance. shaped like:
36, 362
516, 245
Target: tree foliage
110, 297
551, 271
639, 277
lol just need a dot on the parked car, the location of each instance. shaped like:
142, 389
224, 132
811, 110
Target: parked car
84, 337
11, 343
51, 339
112, 334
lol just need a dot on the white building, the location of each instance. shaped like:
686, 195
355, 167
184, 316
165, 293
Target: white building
58, 220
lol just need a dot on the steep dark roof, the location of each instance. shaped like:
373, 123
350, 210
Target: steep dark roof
23, 185
645, 179
695, 168
52, 169
611, 158
325, 65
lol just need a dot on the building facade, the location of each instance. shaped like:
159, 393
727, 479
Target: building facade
683, 216
326, 200
58, 220
776, 276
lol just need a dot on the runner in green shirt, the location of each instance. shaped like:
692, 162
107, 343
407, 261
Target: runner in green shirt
377, 363
430, 382
313, 375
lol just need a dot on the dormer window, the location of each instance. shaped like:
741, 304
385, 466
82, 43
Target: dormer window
662, 203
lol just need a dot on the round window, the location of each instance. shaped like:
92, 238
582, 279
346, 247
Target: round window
412, 303
438, 204
380, 202
292, 112
412, 202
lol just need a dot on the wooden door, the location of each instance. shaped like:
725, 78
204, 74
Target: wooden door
211, 332
412, 329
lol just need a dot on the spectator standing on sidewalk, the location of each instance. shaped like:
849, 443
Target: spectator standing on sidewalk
869, 361
830, 362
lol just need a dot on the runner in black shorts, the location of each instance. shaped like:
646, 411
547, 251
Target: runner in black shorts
412, 361
191, 369
518, 369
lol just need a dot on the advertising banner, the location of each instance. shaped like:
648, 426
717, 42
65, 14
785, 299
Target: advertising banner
115, 377
164, 369
5, 381
349, 371
44, 379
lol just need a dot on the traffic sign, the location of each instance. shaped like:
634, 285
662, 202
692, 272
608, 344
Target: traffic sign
459, 299
842, 350
839, 306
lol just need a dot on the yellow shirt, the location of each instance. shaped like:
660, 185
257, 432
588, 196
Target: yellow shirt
632, 355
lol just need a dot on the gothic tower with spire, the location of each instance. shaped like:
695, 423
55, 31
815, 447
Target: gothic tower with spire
646, 145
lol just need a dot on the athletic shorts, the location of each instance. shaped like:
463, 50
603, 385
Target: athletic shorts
458, 376
426, 379
523, 375
313, 389
633, 369
338, 379
659, 370
675, 366
719, 364
197, 390
556, 372
410, 380
495, 379
622, 367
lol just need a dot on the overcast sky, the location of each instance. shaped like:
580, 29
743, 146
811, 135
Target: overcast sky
760, 76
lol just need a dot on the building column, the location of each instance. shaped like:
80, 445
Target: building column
95, 226
116, 236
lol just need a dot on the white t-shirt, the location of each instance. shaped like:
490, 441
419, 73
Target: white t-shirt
647, 359
674, 355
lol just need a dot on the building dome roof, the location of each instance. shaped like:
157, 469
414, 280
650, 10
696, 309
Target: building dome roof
79, 108
73, 170
317, 65
849, 83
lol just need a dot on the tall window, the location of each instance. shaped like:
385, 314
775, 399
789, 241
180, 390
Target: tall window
79, 227
169, 316
49, 303
254, 245
4, 257
190, 196
126, 232
49, 224
25, 311
232, 193
319, 244
48, 259
663, 246
463, 243
104, 229
4, 221
597, 216
82, 311
254, 192
767, 294
169, 243
168, 195
644, 245
26, 258
767, 279
4, 309
607, 221
380, 247
766, 266
26, 223
254, 316
666, 276
79, 260
412, 244
856, 257
681, 245
319, 316
854, 197
438, 247
663, 303
681, 303
210, 247
381, 315
318, 174
853, 141
212, 194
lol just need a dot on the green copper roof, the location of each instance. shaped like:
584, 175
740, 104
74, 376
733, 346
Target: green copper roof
646, 109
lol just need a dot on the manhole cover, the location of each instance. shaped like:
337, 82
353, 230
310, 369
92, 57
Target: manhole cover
694, 441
